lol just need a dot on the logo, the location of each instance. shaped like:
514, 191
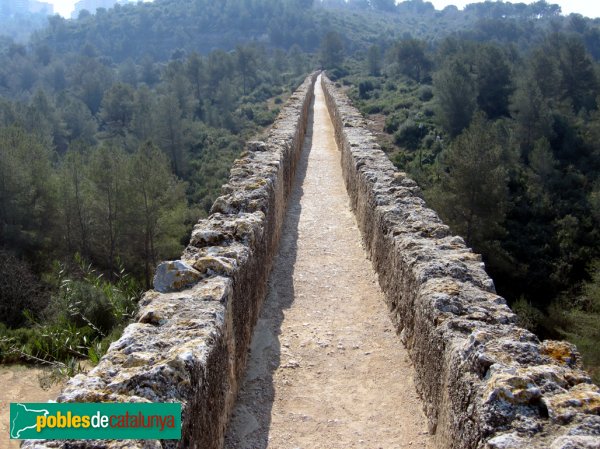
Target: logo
115, 421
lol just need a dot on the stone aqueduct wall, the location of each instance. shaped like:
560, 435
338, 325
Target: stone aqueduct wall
485, 382
190, 339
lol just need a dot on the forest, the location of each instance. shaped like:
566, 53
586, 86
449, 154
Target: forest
117, 130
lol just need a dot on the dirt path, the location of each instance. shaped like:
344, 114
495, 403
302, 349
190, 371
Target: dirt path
326, 369
20, 384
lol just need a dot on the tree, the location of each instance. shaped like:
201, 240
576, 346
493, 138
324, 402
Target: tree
374, 60
384, 5
169, 131
194, 70
246, 64
456, 94
473, 191
332, 50
20, 291
411, 58
544, 71
117, 109
42, 119
142, 122
298, 59
531, 112
494, 81
107, 176
579, 81
78, 120
27, 191
128, 73
74, 194
220, 67
157, 207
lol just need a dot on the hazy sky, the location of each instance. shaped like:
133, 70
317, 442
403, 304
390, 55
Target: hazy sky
590, 8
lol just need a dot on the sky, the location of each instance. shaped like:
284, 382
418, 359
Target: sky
589, 8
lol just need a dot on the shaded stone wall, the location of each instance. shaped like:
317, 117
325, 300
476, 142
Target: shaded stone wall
485, 382
190, 339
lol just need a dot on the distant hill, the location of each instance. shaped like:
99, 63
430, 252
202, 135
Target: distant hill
160, 28
20, 18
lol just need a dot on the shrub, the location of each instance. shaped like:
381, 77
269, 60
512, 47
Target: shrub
528, 316
364, 87
409, 135
337, 73
373, 109
85, 313
425, 93
20, 290
392, 123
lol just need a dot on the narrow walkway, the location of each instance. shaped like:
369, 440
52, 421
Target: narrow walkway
326, 369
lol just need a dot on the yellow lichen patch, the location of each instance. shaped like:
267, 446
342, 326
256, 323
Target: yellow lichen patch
150, 295
560, 351
582, 398
215, 264
256, 185
450, 288
138, 359
512, 388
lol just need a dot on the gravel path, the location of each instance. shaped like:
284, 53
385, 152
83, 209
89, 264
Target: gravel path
326, 369
21, 384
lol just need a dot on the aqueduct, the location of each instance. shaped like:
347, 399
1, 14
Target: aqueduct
482, 381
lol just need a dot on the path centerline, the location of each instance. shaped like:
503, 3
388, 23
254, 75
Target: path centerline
326, 369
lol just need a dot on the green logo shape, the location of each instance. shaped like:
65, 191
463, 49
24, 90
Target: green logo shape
91, 421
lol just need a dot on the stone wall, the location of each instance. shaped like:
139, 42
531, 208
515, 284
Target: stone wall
485, 382
190, 339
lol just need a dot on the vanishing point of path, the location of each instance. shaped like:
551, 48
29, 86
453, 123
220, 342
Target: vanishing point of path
326, 369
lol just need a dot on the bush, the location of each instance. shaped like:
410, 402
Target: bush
409, 135
392, 123
428, 112
364, 87
373, 109
84, 313
263, 93
400, 159
336, 74
528, 316
425, 93
88, 305
20, 290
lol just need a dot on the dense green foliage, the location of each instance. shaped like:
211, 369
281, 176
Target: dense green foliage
84, 316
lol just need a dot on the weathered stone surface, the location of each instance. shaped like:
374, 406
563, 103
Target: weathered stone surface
175, 275
485, 382
190, 339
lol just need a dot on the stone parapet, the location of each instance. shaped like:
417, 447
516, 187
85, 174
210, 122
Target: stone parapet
484, 381
190, 339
